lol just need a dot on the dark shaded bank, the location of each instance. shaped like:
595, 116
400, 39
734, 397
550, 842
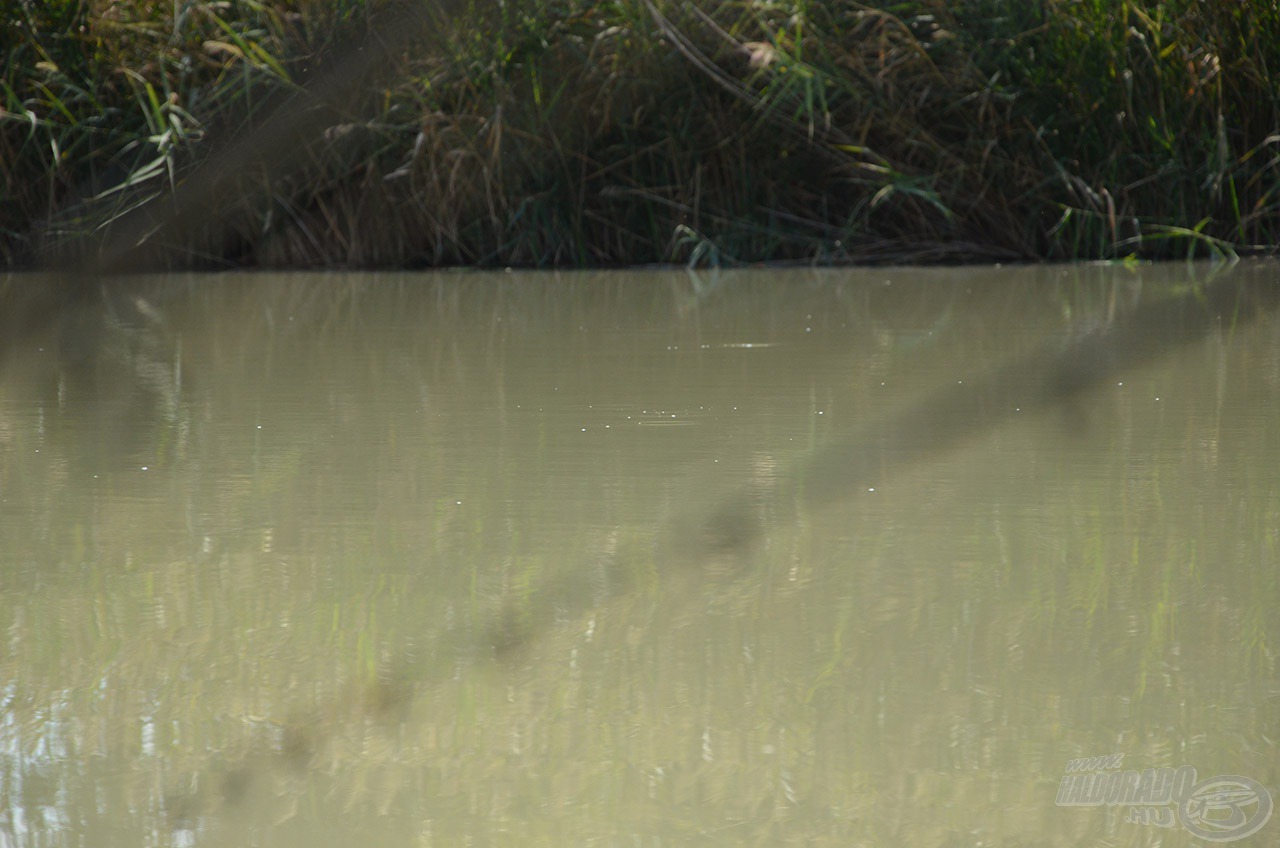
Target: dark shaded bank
424, 133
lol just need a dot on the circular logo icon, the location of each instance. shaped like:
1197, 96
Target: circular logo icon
1225, 808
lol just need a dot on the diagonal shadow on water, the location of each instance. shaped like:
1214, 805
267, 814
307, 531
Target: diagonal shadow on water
1054, 377
694, 555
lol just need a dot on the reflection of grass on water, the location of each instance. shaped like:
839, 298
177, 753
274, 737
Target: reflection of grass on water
875, 678
564, 133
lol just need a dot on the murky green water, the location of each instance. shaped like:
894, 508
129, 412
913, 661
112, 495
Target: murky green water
635, 559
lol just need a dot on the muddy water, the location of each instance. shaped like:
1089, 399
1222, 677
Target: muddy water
768, 558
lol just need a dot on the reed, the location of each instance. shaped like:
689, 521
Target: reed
567, 133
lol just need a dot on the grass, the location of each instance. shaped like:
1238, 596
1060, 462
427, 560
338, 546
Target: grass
567, 133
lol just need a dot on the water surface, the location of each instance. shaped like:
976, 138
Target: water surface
633, 558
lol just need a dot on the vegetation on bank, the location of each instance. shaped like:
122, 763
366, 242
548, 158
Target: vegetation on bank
568, 132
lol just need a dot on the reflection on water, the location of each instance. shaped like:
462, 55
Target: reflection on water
773, 558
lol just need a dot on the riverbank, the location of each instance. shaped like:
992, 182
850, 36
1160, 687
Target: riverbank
575, 133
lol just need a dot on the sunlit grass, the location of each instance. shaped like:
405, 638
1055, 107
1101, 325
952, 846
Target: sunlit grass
564, 133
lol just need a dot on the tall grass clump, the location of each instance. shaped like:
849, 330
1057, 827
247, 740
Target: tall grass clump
1156, 121
104, 105
567, 132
